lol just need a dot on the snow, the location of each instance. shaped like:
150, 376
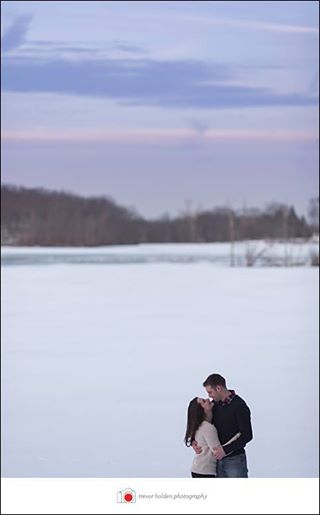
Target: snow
264, 253
99, 362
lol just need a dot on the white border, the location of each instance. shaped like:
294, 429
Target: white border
224, 496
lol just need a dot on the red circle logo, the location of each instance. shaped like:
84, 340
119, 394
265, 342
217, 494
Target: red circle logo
128, 497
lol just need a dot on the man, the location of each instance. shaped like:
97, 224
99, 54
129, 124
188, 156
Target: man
230, 415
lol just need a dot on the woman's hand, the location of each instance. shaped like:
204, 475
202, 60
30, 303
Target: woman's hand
197, 449
218, 452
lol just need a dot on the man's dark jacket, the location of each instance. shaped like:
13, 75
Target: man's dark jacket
230, 417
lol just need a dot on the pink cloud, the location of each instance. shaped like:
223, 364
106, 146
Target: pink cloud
158, 136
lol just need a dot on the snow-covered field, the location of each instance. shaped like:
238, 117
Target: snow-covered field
99, 361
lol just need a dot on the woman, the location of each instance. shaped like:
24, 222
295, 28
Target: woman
199, 428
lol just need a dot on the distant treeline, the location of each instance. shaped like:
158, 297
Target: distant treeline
50, 218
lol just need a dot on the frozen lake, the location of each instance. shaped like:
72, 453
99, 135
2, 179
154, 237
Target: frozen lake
100, 362
258, 252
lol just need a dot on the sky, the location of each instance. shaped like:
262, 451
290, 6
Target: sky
163, 106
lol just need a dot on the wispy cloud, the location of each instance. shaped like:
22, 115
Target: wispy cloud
251, 24
314, 84
174, 84
15, 35
160, 136
41, 48
128, 48
197, 125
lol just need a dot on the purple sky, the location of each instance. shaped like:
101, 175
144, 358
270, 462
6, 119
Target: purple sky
159, 104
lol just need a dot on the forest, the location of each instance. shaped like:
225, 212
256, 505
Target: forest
40, 217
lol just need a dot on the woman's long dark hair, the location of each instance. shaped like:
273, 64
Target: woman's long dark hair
196, 416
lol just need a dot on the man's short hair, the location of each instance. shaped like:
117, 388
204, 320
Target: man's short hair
215, 380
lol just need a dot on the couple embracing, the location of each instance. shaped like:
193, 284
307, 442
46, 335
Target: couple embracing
218, 431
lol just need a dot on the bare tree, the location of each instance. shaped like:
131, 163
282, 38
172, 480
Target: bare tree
313, 213
231, 235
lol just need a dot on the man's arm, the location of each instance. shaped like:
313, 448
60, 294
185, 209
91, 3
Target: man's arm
243, 418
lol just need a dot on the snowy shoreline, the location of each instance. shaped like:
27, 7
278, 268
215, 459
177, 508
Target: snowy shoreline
244, 253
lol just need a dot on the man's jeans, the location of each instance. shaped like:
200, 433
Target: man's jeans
232, 466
